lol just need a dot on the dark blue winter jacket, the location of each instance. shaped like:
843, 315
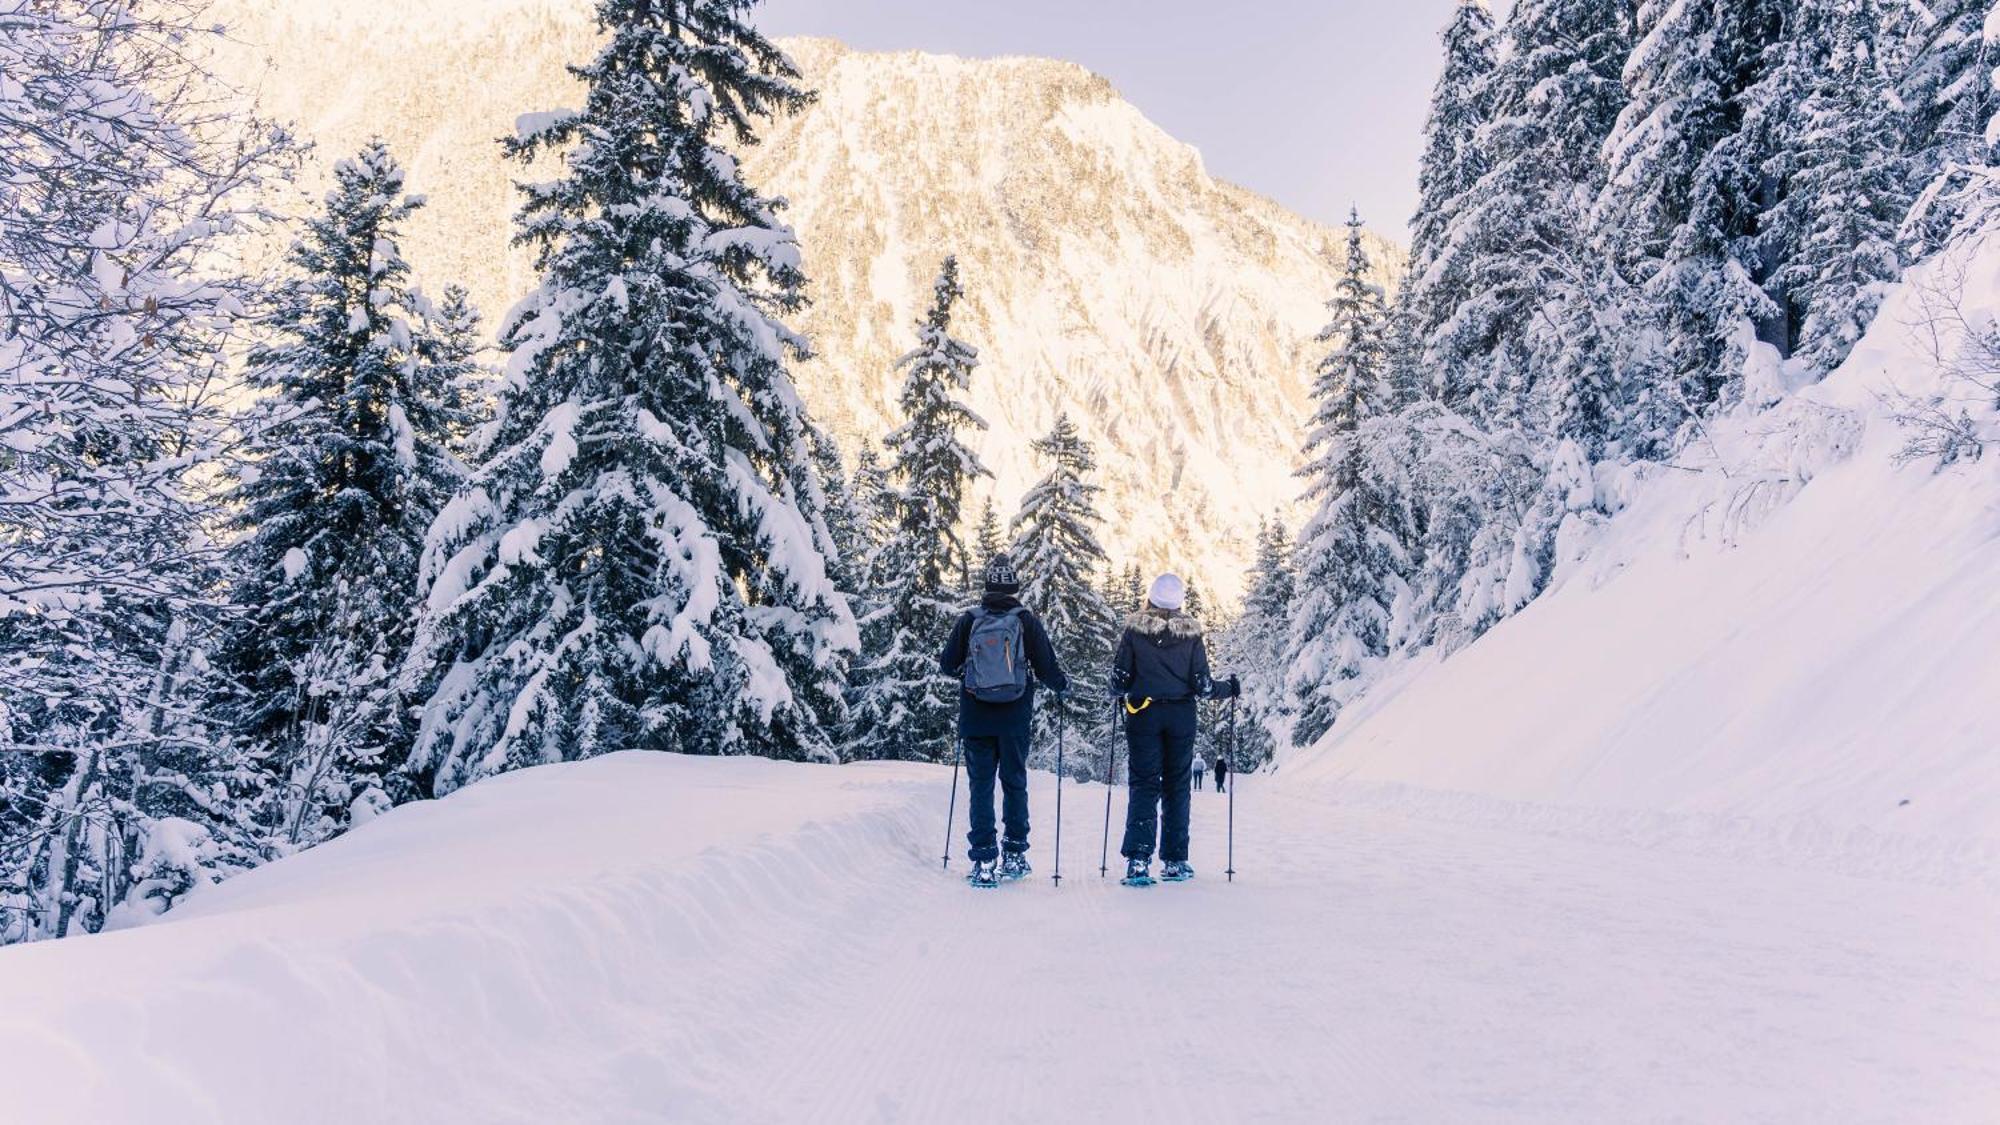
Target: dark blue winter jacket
1161, 657
978, 718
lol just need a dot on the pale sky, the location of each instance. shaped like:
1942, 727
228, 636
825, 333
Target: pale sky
1314, 103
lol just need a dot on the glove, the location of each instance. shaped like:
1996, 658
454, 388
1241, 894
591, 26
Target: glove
1235, 684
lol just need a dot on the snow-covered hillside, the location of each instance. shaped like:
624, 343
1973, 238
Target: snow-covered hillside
1787, 637
1107, 273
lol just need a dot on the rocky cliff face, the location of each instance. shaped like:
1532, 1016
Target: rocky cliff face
1108, 274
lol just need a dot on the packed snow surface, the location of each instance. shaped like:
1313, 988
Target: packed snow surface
649, 938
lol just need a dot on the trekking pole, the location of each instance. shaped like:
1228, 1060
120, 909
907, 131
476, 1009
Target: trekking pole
1059, 781
1110, 778
1234, 774
951, 809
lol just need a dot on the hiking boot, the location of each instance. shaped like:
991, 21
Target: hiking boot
1136, 873
983, 875
1014, 865
1177, 871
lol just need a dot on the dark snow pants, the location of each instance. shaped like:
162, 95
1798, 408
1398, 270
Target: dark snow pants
1007, 756
1160, 740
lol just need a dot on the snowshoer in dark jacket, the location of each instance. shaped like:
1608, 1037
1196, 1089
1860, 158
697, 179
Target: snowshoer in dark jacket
1160, 670
994, 736
1221, 771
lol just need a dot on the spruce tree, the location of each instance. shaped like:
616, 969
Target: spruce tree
1352, 553
451, 342
1518, 238
1195, 605
126, 178
872, 503
348, 462
1267, 606
902, 707
641, 559
1686, 193
987, 542
1256, 646
850, 515
1453, 161
1056, 551
1944, 81
1132, 597
1847, 188
986, 537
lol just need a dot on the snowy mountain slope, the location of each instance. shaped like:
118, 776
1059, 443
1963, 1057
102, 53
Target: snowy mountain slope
1107, 273
651, 938
1788, 635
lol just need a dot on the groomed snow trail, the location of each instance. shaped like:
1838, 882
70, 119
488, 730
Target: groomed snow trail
647, 938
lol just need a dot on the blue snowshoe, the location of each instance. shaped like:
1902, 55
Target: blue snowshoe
1014, 866
983, 875
1136, 873
1177, 871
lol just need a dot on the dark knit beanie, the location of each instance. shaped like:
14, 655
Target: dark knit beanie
1000, 576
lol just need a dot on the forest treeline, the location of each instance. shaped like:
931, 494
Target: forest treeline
278, 553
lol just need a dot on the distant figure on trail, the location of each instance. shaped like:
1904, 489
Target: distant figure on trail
992, 649
1221, 771
1200, 769
1160, 669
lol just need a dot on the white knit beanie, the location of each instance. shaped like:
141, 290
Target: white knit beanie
1168, 592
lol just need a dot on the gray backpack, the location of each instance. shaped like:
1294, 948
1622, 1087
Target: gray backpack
996, 663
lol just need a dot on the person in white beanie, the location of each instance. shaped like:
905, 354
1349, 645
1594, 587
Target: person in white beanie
1160, 670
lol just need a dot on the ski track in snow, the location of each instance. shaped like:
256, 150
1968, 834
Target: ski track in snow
645, 938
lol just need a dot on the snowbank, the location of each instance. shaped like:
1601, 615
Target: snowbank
485, 957
1788, 643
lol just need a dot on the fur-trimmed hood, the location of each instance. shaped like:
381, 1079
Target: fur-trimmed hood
1147, 623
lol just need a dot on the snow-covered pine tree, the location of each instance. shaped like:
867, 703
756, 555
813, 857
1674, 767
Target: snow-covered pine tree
1945, 84
1056, 551
986, 536
1263, 625
641, 559
902, 707
1453, 161
1518, 236
987, 541
1847, 189
871, 499
347, 462
1685, 192
1256, 643
1132, 591
1195, 605
126, 177
1110, 587
849, 515
1352, 555
451, 341
1533, 344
